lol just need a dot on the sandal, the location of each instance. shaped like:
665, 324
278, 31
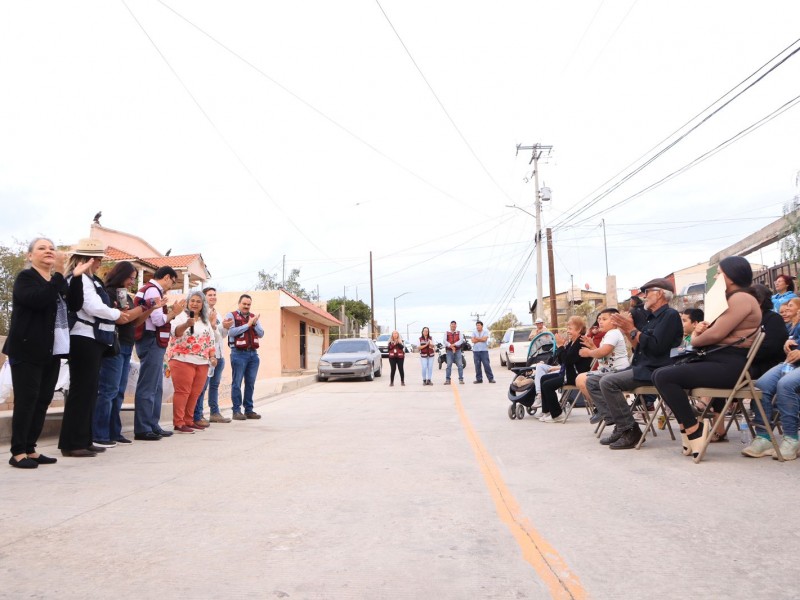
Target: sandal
717, 437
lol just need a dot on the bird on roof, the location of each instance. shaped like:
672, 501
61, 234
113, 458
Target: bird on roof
97, 217
167, 252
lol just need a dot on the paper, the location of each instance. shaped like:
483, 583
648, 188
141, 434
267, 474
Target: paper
716, 303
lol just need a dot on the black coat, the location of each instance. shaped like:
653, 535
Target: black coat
568, 356
771, 351
33, 316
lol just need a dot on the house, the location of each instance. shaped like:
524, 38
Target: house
296, 331
567, 300
191, 268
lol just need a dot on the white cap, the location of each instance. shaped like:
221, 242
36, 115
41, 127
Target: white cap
539, 321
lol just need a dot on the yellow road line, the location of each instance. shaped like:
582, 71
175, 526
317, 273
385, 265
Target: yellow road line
552, 569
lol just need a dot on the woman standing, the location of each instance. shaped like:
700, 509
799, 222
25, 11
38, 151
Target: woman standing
572, 363
91, 334
38, 339
191, 350
733, 331
397, 354
426, 351
113, 377
784, 291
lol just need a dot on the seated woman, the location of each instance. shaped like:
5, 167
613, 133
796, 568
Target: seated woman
572, 363
784, 291
733, 331
611, 353
771, 351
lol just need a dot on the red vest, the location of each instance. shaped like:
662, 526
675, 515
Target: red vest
248, 340
396, 350
427, 350
164, 331
453, 337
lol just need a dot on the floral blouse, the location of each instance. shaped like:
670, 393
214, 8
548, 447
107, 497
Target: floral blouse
194, 348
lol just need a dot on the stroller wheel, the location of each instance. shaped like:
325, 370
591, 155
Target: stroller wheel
512, 411
531, 410
520, 411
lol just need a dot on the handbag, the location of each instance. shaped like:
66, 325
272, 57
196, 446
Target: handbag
686, 357
113, 349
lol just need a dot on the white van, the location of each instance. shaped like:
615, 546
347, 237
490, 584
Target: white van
514, 347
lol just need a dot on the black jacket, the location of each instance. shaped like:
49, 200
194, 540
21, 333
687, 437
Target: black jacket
568, 356
33, 316
771, 351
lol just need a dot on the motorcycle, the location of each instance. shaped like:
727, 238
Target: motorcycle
441, 356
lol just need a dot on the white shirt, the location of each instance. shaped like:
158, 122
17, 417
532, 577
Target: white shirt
92, 307
618, 359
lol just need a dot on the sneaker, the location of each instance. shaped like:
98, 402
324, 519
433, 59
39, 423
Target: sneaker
123, 440
237, 416
460, 381
544, 417
252, 415
104, 443
551, 419
218, 418
628, 439
183, 429
492, 381
477, 381
759, 447
447, 382
202, 422
538, 402
195, 426
595, 418
789, 447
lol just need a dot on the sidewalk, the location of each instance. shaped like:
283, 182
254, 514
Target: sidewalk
265, 388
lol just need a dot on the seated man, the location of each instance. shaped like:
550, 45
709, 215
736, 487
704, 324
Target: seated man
651, 348
690, 318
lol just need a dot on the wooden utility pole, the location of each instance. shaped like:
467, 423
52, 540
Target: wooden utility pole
551, 268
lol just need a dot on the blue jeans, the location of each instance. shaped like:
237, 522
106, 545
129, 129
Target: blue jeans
106, 424
481, 357
212, 385
149, 386
782, 389
454, 356
427, 367
244, 365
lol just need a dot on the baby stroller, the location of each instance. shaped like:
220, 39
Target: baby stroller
522, 391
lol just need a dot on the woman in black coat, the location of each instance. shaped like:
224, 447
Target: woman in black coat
37, 340
572, 363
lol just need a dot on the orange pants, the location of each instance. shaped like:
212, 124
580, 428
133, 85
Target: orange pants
188, 380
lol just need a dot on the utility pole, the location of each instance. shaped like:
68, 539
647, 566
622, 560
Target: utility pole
552, 270
605, 246
476, 315
536, 153
371, 301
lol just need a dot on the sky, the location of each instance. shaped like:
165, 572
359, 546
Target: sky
323, 131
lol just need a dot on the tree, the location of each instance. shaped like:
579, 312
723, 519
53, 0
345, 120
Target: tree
503, 324
267, 281
790, 245
356, 311
12, 261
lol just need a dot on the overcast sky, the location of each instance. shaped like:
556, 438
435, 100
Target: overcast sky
252, 130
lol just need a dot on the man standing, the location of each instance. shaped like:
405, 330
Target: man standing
243, 339
453, 342
152, 338
652, 343
480, 353
212, 382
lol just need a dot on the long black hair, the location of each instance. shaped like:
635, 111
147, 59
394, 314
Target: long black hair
119, 274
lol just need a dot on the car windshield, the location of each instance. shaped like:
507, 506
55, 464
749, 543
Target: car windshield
349, 346
385, 337
521, 335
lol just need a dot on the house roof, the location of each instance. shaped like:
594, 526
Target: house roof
116, 254
179, 261
324, 315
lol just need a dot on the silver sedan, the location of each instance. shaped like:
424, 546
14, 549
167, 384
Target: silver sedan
356, 357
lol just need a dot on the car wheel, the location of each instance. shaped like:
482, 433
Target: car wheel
370, 377
502, 362
321, 378
379, 372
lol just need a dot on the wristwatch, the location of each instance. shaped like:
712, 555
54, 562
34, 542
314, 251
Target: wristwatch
633, 334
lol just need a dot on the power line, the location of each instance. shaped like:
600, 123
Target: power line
577, 211
441, 104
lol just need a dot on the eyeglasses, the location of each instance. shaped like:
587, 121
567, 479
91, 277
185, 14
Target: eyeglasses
648, 290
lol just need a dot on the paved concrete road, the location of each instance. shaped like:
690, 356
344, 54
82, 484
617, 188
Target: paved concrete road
351, 489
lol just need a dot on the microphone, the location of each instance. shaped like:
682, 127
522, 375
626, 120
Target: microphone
191, 327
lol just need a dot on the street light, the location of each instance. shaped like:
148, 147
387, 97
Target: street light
408, 335
395, 307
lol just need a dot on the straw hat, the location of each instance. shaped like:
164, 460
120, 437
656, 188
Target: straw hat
90, 247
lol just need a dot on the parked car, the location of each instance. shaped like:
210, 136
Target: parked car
383, 343
514, 347
354, 357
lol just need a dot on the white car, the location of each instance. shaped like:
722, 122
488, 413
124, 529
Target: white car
514, 347
383, 343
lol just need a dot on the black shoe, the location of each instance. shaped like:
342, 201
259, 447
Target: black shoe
492, 381
123, 440
610, 439
44, 460
476, 381
163, 433
596, 418
255, 415
81, 453
104, 443
447, 382
96, 449
23, 463
629, 439
147, 437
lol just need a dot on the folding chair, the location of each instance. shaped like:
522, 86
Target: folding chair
744, 389
569, 398
639, 404
660, 406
